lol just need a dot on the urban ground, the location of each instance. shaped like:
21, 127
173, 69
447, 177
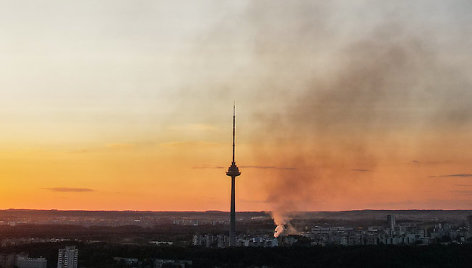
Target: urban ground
197, 239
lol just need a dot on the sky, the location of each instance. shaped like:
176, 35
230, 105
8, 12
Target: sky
127, 105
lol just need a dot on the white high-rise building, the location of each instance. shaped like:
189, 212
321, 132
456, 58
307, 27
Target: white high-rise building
68, 257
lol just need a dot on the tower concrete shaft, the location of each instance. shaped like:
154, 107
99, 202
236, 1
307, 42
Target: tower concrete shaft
232, 228
233, 172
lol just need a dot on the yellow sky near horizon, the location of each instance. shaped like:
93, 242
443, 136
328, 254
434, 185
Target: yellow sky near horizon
190, 176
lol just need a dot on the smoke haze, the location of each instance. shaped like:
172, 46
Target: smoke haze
341, 102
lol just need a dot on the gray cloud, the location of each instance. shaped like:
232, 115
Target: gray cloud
255, 167
269, 167
464, 192
361, 170
216, 167
69, 189
416, 162
464, 175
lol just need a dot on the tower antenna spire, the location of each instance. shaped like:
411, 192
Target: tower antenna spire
234, 127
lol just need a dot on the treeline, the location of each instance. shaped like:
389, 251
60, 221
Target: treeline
101, 255
168, 232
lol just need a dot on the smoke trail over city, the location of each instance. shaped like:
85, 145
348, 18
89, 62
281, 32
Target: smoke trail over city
346, 107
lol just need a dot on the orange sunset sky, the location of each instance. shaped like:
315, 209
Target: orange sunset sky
127, 105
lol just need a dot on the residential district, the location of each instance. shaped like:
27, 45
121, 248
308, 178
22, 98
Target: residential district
389, 234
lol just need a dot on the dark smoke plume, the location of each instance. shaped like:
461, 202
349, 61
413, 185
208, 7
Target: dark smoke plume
336, 108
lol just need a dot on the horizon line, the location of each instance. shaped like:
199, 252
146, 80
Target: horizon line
223, 211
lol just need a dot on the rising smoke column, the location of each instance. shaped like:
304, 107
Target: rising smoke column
346, 109
282, 222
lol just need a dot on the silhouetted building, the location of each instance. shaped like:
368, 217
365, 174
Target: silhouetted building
126, 261
391, 222
26, 262
7, 260
68, 257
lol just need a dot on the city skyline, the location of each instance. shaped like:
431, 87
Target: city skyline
341, 105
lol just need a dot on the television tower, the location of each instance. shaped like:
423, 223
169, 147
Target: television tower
233, 172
